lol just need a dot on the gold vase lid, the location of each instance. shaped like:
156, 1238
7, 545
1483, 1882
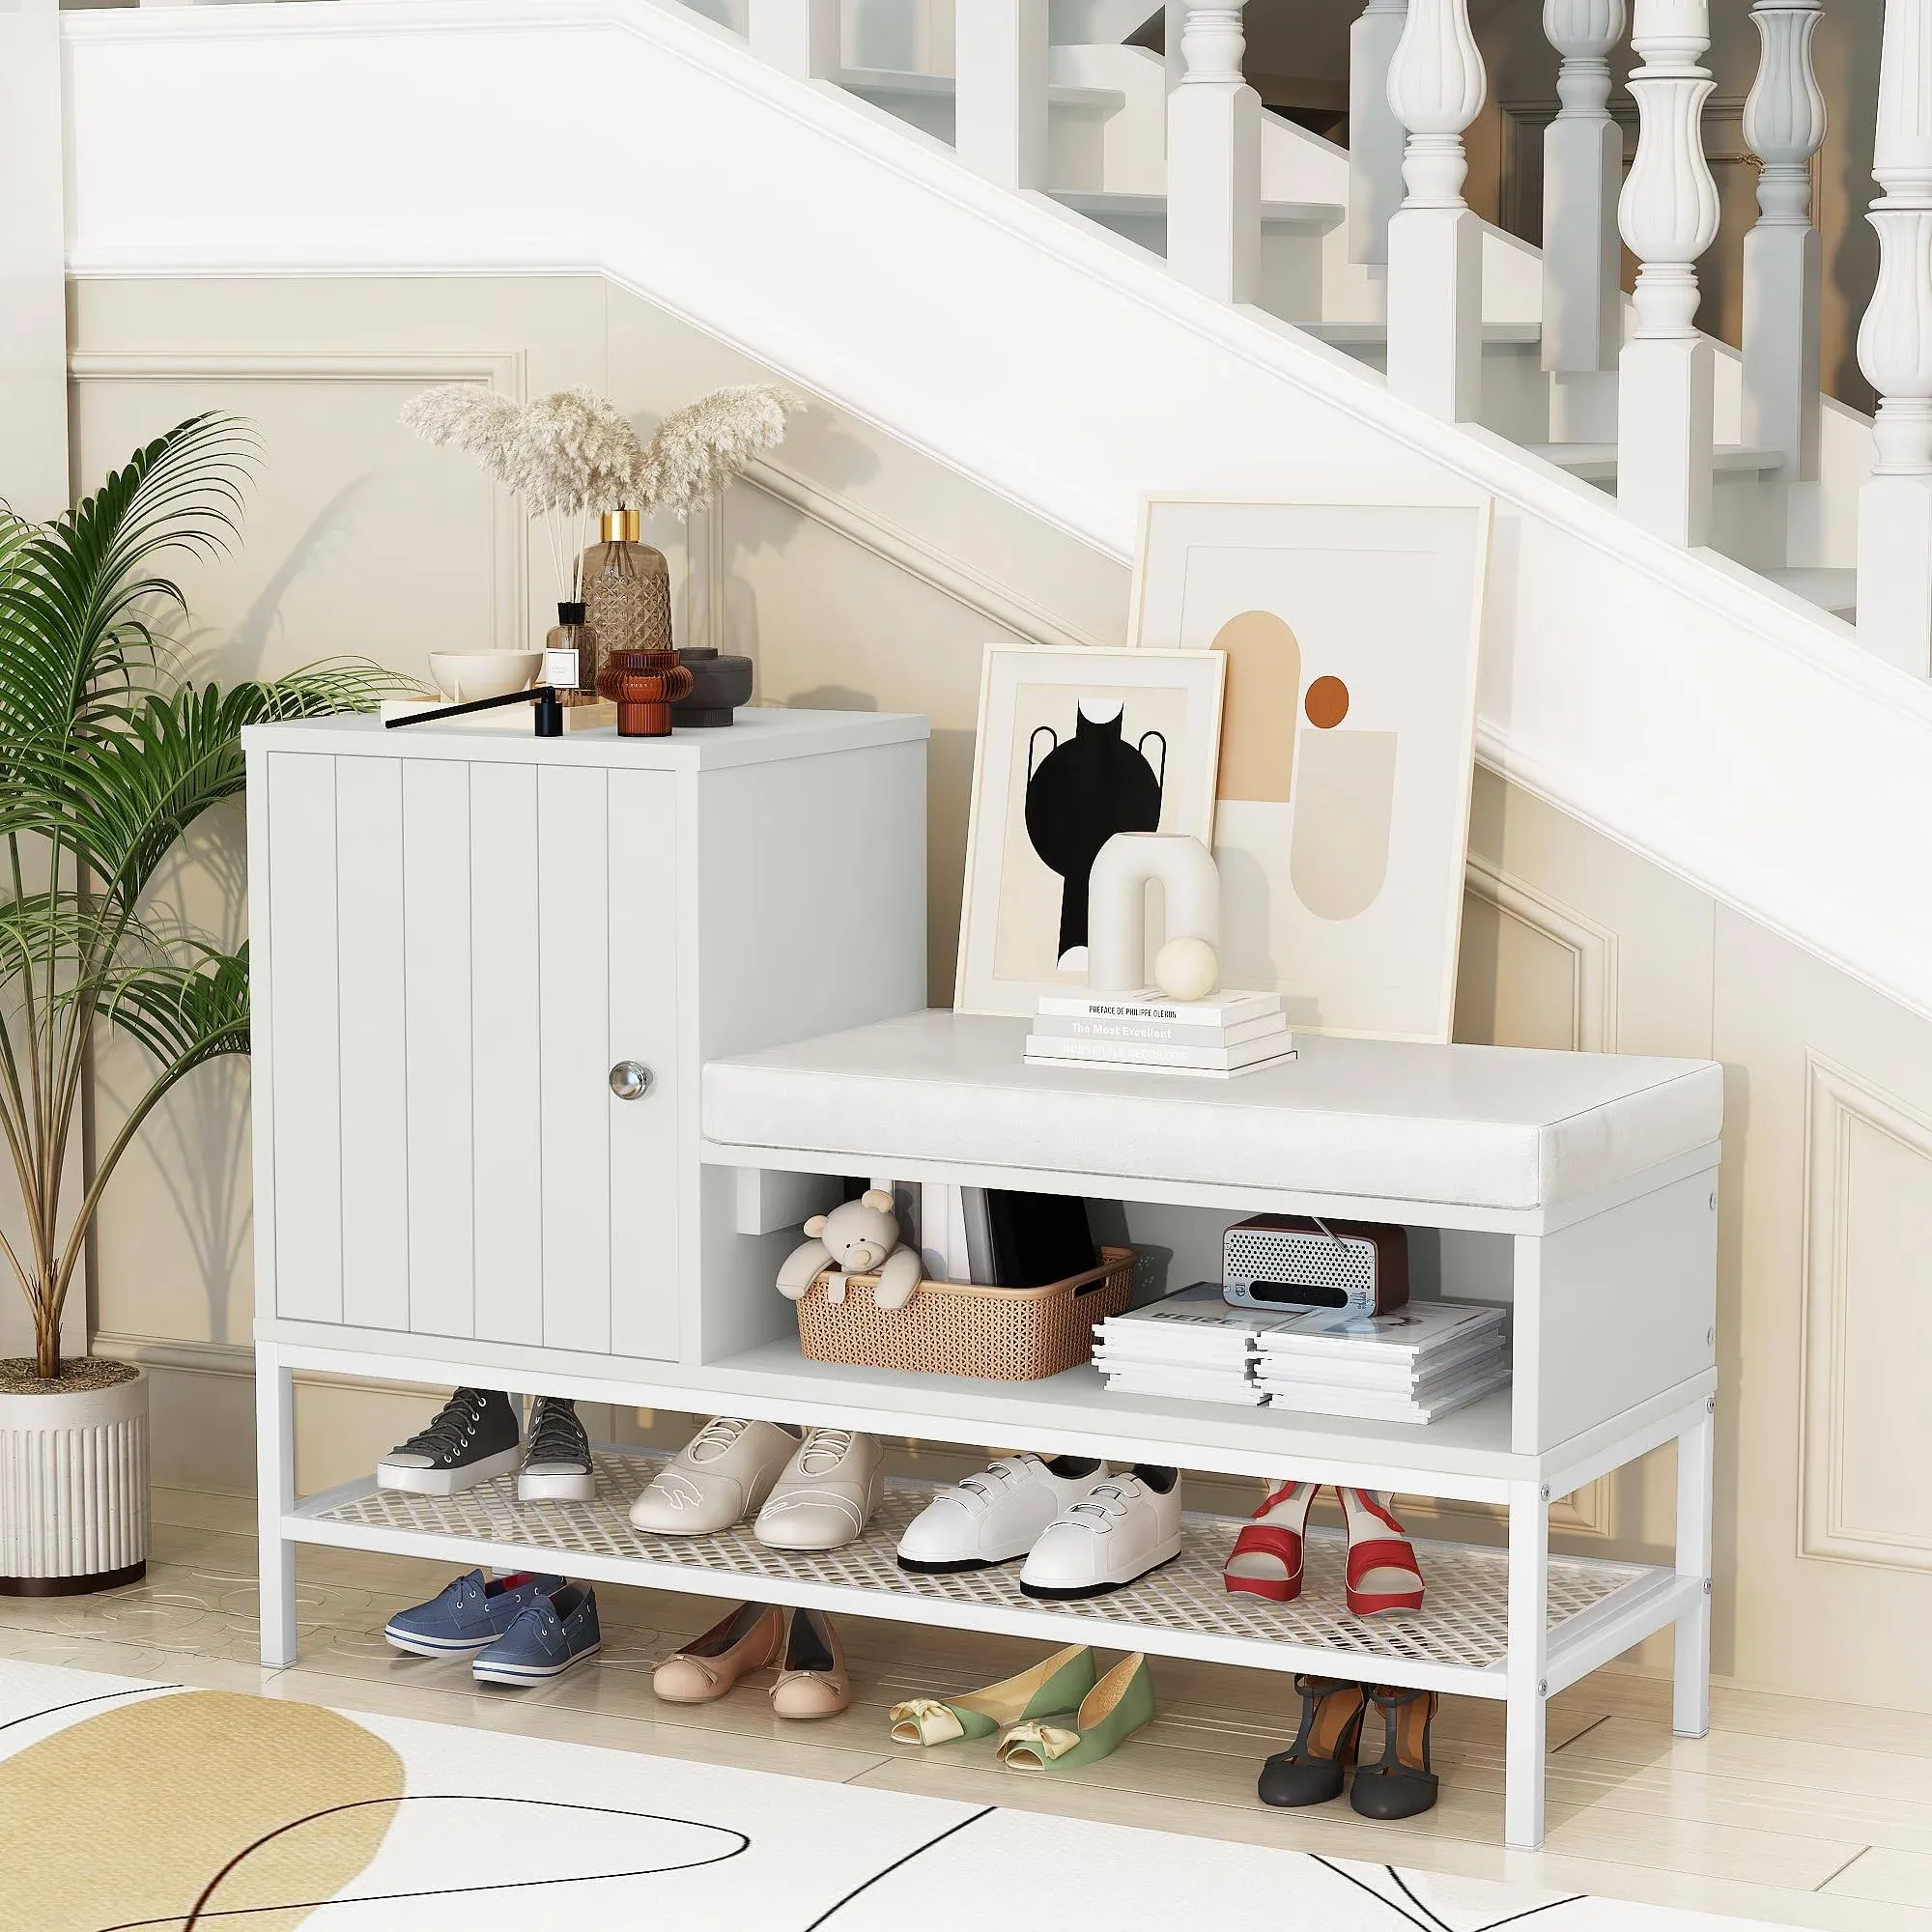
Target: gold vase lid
621, 526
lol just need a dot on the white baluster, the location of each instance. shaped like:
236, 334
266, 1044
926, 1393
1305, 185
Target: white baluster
1175, 24
1896, 353
1784, 125
1668, 214
1582, 172
1435, 85
798, 36
1215, 159
1375, 137
999, 61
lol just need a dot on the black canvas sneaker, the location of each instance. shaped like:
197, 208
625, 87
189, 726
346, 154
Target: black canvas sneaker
556, 1458
473, 1437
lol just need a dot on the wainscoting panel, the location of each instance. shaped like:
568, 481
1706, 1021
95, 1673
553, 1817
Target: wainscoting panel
1867, 1324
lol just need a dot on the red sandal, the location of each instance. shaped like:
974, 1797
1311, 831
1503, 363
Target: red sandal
1383, 1575
1265, 1560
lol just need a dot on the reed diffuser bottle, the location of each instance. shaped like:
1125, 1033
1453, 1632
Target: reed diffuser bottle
571, 657
626, 587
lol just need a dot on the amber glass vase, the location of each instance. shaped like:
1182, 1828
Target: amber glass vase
626, 589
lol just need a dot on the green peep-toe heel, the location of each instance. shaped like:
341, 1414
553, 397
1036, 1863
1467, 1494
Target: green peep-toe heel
1120, 1704
1051, 1689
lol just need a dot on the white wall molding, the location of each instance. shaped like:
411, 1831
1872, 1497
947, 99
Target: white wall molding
1838, 1101
503, 370
1591, 946
916, 555
1620, 677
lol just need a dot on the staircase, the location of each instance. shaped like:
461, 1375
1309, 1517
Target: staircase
1103, 153
1078, 283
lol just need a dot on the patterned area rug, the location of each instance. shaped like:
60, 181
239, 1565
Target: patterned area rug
127, 1805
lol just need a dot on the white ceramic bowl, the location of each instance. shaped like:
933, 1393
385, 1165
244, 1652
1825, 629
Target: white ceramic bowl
465, 675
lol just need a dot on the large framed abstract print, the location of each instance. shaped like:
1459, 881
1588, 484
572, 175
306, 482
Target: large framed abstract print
1341, 812
1074, 745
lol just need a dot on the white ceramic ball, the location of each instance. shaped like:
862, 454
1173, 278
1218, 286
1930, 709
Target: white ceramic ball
1186, 969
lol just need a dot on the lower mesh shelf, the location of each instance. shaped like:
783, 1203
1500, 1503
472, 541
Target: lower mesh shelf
1463, 1623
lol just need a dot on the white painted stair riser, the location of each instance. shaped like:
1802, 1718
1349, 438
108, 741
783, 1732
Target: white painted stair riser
73, 1483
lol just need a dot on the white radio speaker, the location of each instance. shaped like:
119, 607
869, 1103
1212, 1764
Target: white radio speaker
1293, 1260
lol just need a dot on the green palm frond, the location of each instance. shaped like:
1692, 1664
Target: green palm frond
185, 1014
78, 596
124, 797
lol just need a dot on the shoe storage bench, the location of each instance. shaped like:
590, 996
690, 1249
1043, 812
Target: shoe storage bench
1579, 1189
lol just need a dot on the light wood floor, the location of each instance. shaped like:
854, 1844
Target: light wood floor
1799, 1812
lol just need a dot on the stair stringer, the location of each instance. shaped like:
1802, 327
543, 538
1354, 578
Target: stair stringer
1709, 721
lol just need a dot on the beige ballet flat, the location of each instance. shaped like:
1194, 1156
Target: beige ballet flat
748, 1640
812, 1668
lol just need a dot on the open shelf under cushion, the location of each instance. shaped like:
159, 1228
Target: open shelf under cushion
1457, 1641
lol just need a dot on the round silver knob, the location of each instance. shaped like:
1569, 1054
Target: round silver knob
631, 1080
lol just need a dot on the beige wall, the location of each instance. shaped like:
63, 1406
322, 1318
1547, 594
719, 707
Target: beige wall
859, 572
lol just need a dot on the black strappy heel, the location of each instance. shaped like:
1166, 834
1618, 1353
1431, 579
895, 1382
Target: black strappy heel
1311, 1770
1402, 1784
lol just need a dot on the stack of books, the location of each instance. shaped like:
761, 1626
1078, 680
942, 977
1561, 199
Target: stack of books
1189, 1344
1414, 1365
1222, 1034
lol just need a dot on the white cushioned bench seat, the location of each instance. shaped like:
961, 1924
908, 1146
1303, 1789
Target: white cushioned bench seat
1476, 1127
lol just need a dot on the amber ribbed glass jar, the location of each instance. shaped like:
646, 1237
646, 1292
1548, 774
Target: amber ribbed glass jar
627, 588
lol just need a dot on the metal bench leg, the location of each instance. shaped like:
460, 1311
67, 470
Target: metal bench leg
1691, 1666
275, 1493
1528, 1648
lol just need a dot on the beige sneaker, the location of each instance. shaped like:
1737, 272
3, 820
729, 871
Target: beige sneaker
828, 1494
717, 1478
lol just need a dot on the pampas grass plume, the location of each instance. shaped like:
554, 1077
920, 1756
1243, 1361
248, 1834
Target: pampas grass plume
701, 447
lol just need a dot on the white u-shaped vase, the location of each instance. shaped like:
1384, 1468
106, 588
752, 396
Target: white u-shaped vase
1127, 864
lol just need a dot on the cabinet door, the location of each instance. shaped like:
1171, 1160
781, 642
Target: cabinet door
461, 952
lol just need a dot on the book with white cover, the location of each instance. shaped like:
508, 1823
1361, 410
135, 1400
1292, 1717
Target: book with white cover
1405, 1376
1157, 1379
1365, 1404
1213, 1060
1193, 1324
1157, 1032
1219, 1010
1403, 1334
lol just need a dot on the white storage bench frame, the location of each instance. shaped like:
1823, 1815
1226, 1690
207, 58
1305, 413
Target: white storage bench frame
1601, 1169
1594, 1175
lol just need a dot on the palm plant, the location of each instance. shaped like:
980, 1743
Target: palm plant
108, 754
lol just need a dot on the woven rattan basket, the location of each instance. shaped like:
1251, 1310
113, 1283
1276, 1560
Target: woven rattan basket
1006, 1334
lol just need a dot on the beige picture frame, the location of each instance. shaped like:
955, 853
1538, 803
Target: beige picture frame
1161, 708
1341, 812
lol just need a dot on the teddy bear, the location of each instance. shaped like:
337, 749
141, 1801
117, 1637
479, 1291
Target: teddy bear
859, 1236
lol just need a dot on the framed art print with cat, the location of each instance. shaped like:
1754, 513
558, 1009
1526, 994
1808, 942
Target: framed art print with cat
1074, 745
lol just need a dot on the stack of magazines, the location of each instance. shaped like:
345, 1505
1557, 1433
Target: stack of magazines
1189, 1344
1414, 1365
1222, 1034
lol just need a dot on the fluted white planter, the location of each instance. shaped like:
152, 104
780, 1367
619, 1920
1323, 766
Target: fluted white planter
74, 1488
